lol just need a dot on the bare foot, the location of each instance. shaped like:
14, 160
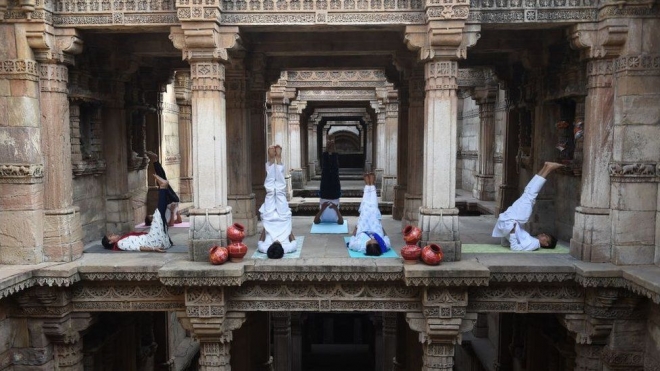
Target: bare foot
366, 178
553, 165
152, 156
278, 153
162, 183
372, 178
178, 218
271, 154
291, 237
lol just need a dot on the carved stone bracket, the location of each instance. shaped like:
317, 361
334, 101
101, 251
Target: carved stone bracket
587, 330
448, 39
53, 45
204, 41
598, 40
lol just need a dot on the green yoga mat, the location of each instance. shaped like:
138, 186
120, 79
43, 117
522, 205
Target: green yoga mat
484, 248
354, 254
291, 255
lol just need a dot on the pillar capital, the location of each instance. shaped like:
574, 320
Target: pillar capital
205, 41
182, 86
599, 40
53, 45
446, 38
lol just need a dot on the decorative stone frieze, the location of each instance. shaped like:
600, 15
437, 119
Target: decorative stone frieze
627, 172
324, 297
531, 277
333, 78
21, 173
527, 299
126, 297
19, 69
638, 65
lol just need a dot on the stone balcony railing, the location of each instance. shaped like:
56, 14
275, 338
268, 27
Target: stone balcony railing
113, 13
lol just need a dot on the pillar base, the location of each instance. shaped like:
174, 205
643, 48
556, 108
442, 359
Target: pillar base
484, 188
379, 178
387, 193
411, 205
244, 211
440, 226
62, 235
311, 170
186, 189
592, 233
399, 198
297, 179
208, 227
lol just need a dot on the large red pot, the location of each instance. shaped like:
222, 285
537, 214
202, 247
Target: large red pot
236, 232
218, 255
237, 251
412, 234
432, 254
411, 254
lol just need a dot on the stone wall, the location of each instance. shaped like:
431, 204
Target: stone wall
468, 144
170, 137
88, 195
501, 117
137, 189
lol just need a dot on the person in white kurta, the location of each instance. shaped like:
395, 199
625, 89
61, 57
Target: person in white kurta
275, 211
509, 223
369, 222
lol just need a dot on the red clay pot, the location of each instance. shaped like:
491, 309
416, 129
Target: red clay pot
236, 232
237, 251
410, 254
218, 255
432, 254
412, 234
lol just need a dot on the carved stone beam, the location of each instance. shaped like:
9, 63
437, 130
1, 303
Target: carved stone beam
204, 41
599, 40
53, 45
474, 77
448, 39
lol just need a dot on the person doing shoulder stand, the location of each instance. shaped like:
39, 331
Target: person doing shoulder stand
509, 223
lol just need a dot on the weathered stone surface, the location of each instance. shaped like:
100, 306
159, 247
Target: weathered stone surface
637, 143
20, 145
21, 197
633, 227
23, 111
21, 228
634, 196
27, 89
633, 254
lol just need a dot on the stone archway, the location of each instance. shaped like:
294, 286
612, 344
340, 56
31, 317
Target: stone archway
290, 95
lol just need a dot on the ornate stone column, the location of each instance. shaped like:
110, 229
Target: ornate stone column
592, 231
312, 150
279, 98
440, 329
379, 143
206, 317
240, 199
295, 144
402, 142
117, 198
389, 165
205, 46
413, 196
182, 91
369, 158
256, 103
484, 188
440, 42
296, 341
282, 345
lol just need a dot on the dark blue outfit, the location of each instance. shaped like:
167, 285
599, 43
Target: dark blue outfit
165, 196
330, 186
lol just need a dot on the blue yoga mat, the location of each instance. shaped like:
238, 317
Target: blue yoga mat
354, 254
292, 255
330, 228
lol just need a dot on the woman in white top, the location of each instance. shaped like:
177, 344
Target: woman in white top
368, 236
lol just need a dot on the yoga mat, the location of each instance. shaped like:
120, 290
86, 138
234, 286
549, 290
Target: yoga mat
484, 248
180, 225
354, 254
292, 255
330, 228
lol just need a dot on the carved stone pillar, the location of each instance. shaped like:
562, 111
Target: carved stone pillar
402, 156
413, 197
206, 317
296, 341
118, 204
241, 199
369, 159
389, 339
281, 340
377, 321
592, 231
279, 98
484, 188
312, 155
390, 139
64, 333
441, 327
379, 143
256, 103
182, 91
205, 46
295, 144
